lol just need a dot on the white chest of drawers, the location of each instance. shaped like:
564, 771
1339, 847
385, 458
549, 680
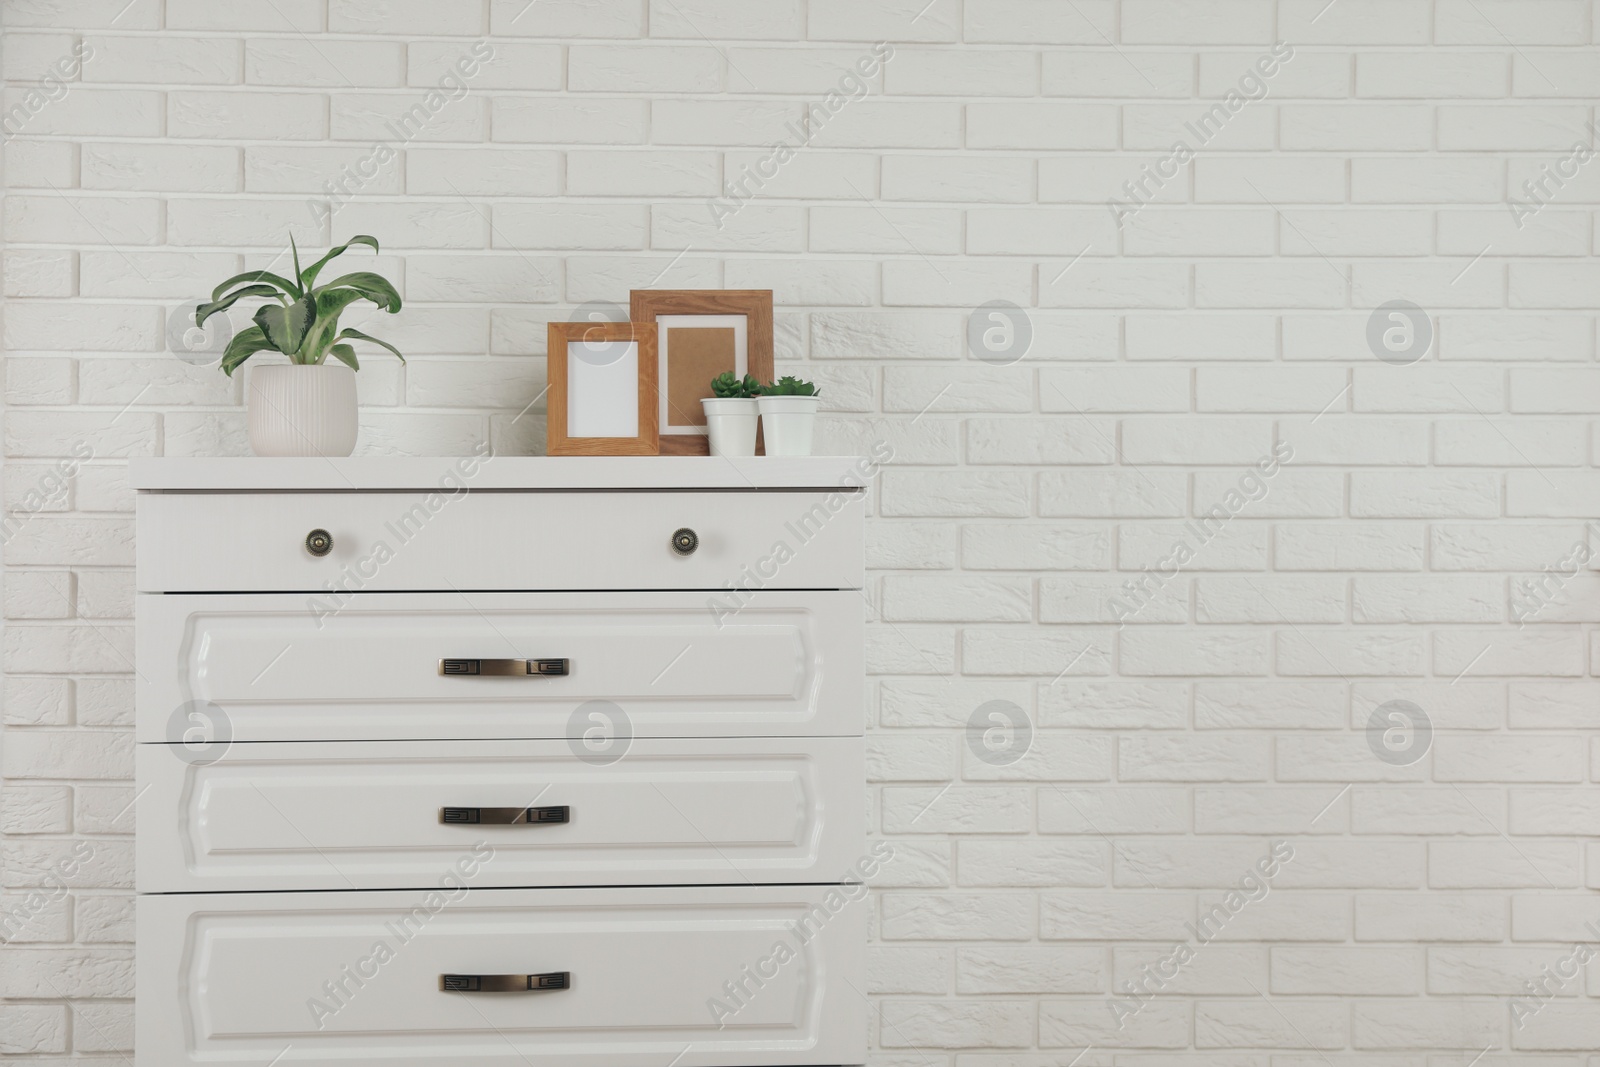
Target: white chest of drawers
540, 761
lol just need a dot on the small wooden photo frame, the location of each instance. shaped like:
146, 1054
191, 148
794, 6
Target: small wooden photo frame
703, 332
602, 399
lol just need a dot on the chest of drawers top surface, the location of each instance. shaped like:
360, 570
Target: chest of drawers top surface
531, 473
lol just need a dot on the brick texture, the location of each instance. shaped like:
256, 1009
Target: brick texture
1144, 595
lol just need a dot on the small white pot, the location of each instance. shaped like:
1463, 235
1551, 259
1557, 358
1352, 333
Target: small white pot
731, 425
787, 423
302, 411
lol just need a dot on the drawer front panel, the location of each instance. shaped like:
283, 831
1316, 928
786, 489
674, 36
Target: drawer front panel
364, 815
354, 979
265, 667
383, 542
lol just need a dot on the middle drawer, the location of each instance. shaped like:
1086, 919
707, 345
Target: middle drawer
354, 815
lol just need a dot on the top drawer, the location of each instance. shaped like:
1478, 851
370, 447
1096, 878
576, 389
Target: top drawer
499, 540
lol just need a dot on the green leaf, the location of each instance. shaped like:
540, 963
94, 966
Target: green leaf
203, 312
375, 287
351, 331
789, 385
257, 276
246, 343
725, 385
286, 327
309, 277
330, 305
304, 323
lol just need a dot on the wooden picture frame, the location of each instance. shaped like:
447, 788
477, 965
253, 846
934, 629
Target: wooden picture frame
681, 429
601, 412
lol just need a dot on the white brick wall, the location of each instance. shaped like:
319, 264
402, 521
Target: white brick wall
1031, 506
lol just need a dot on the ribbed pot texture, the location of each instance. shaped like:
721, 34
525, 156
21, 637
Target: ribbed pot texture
302, 411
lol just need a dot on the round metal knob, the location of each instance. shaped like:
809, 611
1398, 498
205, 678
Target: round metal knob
685, 541
319, 542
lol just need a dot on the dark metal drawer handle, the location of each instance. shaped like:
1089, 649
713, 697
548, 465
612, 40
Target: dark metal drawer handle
505, 983
506, 667
554, 813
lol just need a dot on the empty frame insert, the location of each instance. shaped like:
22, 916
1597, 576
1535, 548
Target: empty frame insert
602, 399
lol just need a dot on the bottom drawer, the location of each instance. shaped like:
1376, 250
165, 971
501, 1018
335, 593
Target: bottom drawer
691, 976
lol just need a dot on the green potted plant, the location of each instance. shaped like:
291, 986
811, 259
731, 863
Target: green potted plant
307, 406
789, 415
732, 414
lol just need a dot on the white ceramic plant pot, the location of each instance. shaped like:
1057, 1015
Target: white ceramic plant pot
302, 411
731, 424
787, 423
